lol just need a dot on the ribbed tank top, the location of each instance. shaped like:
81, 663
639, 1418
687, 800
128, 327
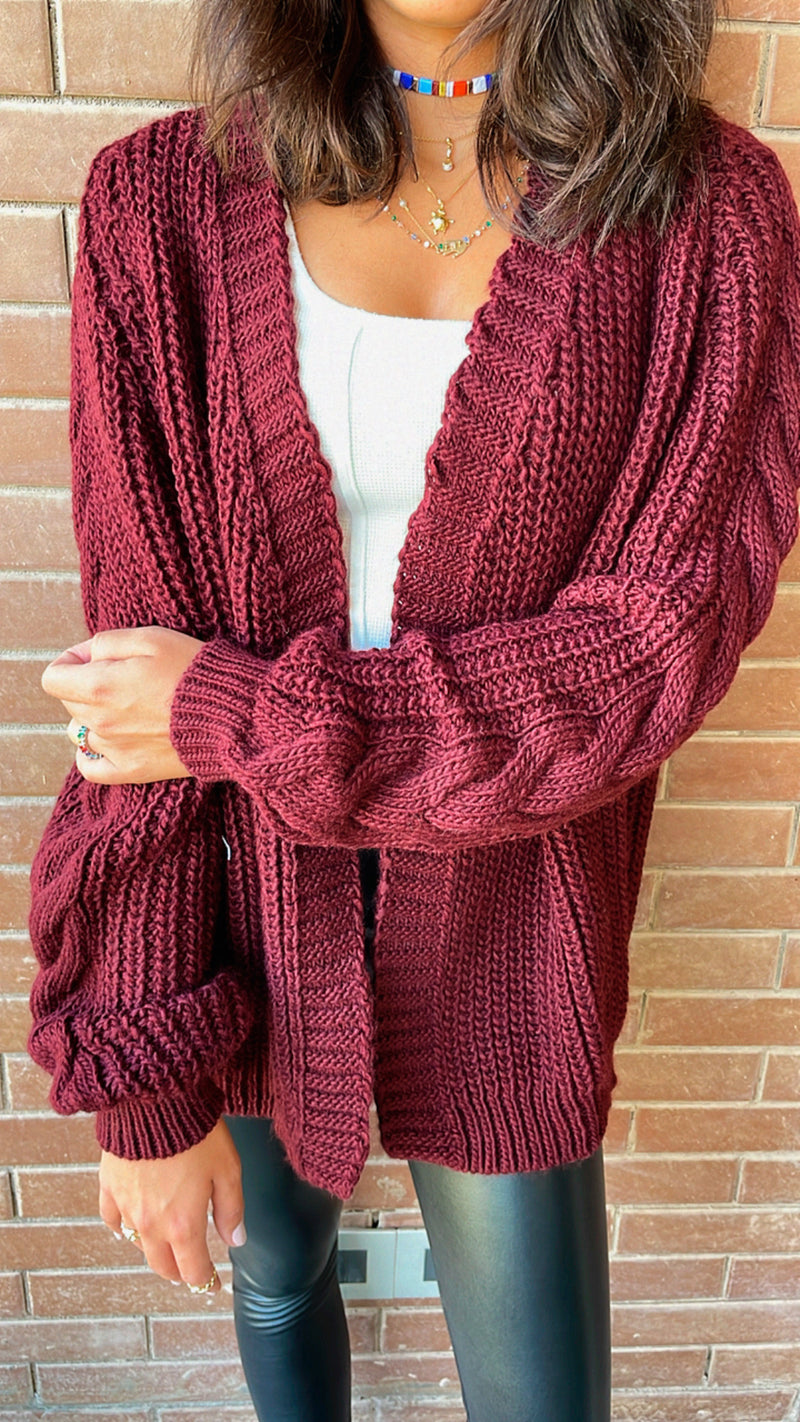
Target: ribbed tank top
375, 387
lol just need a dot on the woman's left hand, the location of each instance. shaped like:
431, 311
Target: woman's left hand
120, 685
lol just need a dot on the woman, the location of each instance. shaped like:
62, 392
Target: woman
435, 455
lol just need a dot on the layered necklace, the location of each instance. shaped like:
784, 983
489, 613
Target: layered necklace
439, 221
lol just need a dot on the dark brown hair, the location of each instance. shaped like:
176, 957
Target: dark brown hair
603, 96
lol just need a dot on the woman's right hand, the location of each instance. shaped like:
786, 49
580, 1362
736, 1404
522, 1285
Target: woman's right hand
167, 1202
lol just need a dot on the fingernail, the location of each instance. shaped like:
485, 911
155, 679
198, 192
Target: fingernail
117, 1236
176, 1283
239, 1235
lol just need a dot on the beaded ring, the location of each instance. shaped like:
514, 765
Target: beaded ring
82, 733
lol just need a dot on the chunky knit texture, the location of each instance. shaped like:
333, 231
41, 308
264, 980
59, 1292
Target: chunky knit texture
607, 502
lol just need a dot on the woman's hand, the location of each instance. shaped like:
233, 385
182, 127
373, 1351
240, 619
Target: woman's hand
167, 1202
120, 684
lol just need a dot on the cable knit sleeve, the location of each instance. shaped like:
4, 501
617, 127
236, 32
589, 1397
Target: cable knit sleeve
510, 729
130, 1015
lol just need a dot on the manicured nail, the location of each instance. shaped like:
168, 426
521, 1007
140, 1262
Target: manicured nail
117, 1236
239, 1235
176, 1283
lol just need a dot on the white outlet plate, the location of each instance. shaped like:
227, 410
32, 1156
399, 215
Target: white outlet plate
386, 1264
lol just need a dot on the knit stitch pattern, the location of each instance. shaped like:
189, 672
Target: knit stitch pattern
608, 500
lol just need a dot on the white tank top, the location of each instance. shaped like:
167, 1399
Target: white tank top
375, 387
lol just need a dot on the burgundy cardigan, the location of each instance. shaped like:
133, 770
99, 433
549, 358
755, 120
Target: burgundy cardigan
607, 502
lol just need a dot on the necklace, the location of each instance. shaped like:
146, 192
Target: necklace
453, 247
439, 221
447, 161
444, 88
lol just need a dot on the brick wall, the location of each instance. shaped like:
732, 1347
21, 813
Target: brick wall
702, 1163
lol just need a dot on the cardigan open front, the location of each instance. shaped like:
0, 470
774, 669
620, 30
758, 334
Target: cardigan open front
607, 502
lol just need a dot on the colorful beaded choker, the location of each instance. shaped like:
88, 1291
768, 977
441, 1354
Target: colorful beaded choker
444, 88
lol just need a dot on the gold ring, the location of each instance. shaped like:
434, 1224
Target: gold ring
205, 1288
130, 1234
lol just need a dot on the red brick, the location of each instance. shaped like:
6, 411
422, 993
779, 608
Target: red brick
667, 1367
41, 612
36, 530
99, 1383
194, 1337
779, 636
406, 1370
414, 1330
633, 1019
33, 264
787, 150
15, 1383
126, 47
748, 768
17, 964
703, 1406
6, 1202
29, 1086
57, 1340
666, 1278
21, 827
14, 905
783, 104
384, 1186
758, 899
704, 960
750, 1366
34, 352
764, 9
718, 1128
714, 834
648, 1075
732, 73
25, 47
643, 1179
731, 1230
770, 1182
726, 1321
48, 1140
55, 1193
46, 149
765, 1277
14, 1026
761, 698
618, 1131
791, 964
782, 1079
402, 1410
22, 698
12, 1299
36, 762
722, 1021
34, 445
118, 1415
87, 1292
645, 900
224, 1414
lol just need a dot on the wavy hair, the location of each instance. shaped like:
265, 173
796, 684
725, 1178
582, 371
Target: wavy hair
604, 97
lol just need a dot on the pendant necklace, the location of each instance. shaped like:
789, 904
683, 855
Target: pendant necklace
447, 161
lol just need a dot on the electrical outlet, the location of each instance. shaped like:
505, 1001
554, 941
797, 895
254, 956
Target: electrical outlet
386, 1264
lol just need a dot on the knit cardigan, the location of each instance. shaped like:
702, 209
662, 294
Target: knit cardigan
607, 503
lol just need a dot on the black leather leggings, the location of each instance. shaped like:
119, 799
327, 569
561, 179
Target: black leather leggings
521, 1261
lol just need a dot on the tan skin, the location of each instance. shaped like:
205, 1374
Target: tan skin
121, 683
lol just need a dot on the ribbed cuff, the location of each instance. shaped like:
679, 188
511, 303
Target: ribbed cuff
152, 1130
212, 708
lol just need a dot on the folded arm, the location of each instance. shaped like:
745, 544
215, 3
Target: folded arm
512, 728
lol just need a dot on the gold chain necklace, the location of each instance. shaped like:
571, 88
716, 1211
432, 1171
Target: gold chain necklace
447, 161
453, 247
